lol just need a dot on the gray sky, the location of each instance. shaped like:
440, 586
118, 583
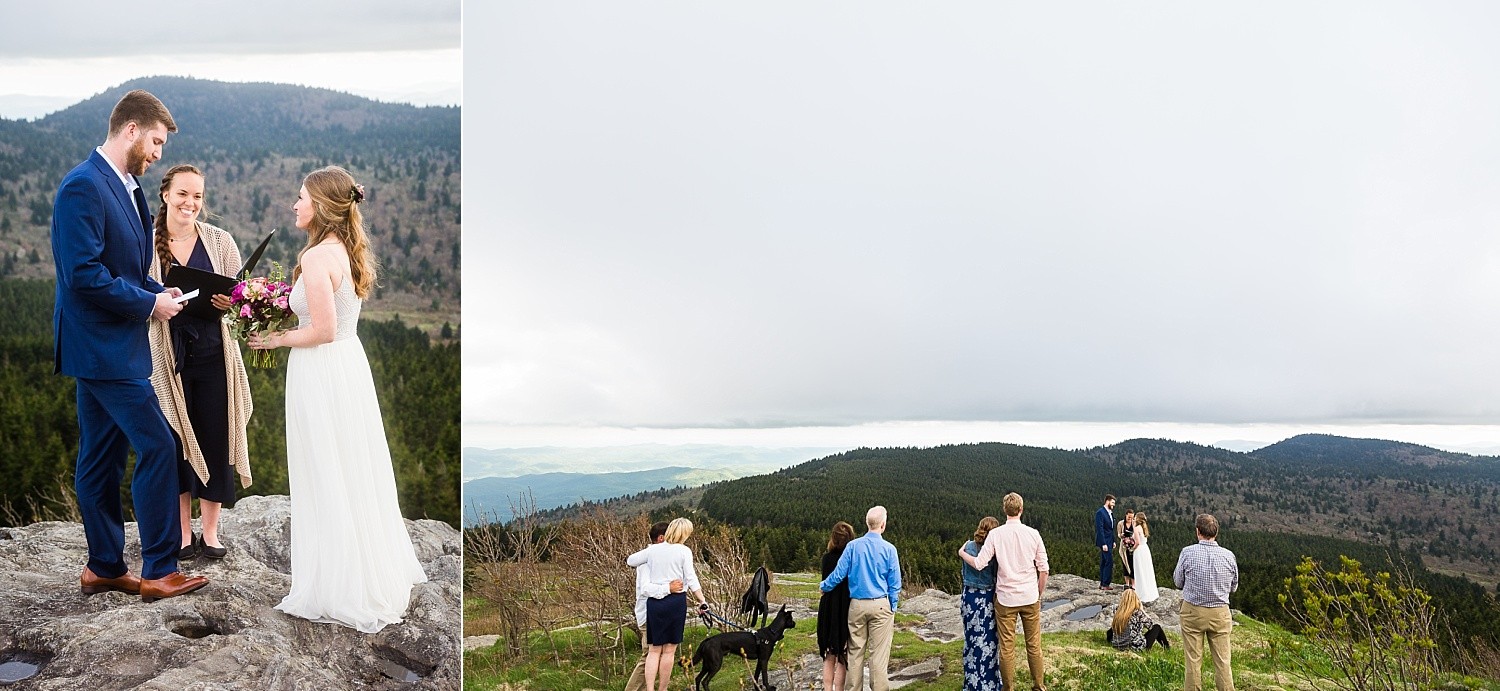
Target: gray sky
55, 54
815, 215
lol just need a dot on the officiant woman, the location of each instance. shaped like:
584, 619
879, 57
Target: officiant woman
199, 378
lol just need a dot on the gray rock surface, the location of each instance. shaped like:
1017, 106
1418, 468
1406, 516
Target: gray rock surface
226, 636
941, 621
1069, 595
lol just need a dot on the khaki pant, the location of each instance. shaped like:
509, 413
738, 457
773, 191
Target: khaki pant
1031, 626
638, 675
871, 625
1215, 624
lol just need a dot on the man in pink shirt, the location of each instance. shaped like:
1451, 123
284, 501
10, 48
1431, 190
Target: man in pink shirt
1022, 561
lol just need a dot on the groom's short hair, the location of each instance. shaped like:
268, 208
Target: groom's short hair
141, 108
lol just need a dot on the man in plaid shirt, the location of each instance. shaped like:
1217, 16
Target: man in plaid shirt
1207, 574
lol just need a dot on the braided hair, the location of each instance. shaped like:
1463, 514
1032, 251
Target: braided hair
163, 251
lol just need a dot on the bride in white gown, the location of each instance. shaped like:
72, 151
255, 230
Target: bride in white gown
1145, 571
352, 560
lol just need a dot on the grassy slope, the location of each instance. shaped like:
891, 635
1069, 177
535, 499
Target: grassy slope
1261, 657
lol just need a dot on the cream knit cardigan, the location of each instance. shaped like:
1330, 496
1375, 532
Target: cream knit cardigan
225, 257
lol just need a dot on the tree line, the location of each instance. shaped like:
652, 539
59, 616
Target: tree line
416, 381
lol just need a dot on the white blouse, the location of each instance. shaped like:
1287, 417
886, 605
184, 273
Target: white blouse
666, 562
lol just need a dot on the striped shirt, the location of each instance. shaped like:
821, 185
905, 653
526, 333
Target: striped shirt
1207, 574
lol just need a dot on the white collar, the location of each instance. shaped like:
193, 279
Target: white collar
128, 180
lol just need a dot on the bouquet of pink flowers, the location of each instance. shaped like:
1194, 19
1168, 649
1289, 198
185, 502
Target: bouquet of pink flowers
259, 304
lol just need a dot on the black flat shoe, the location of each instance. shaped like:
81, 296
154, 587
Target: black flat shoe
210, 551
189, 552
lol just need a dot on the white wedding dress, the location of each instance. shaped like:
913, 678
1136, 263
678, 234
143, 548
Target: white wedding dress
1145, 571
352, 559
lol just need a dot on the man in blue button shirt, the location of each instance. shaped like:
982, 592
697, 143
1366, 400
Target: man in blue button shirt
874, 573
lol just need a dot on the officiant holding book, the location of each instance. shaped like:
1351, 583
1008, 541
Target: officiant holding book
197, 372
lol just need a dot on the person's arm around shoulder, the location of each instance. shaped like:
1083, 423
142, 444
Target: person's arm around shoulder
986, 552
840, 571
637, 559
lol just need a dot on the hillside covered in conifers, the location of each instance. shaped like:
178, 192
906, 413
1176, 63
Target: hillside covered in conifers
1387, 504
254, 143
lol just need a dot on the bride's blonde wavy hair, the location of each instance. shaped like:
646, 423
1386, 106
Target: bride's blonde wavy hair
335, 200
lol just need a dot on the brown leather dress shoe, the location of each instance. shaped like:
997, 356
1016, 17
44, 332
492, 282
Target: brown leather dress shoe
170, 585
90, 583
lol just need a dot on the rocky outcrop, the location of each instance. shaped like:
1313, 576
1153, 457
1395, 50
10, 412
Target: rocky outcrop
227, 635
1071, 603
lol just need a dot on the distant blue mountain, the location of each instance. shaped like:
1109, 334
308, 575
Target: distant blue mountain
491, 498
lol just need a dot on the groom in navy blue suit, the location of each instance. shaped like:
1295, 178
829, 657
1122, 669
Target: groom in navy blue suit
1104, 538
102, 248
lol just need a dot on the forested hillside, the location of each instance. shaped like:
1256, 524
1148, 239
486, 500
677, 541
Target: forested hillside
935, 497
416, 380
1444, 506
254, 143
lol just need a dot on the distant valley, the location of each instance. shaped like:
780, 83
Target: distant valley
494, 499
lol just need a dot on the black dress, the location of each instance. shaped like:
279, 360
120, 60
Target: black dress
198, 348
833, 614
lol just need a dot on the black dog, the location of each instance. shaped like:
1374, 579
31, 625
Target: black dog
753, 602
756, 646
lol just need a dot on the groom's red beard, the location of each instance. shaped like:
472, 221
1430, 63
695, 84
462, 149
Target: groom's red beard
135, 158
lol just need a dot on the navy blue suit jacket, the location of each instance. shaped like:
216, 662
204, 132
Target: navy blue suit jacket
1104, 528
104, 295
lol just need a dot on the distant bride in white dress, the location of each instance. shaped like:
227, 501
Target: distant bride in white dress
352, 560
1145, 571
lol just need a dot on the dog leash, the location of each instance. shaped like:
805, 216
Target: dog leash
709, 614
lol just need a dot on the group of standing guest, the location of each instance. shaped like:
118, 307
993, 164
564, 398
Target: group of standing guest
1005, 572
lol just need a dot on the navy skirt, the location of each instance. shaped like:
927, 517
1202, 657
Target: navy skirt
665, 619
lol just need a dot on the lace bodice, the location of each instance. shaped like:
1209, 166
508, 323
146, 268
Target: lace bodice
345, 305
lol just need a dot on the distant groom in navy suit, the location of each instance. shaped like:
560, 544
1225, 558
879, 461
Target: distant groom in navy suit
1104, 538
102, 246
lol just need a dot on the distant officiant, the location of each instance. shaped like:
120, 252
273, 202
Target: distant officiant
197, 372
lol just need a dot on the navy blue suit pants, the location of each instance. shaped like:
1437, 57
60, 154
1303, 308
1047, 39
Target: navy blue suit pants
115, 415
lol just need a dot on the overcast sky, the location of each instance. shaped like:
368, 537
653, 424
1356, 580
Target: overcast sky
53, 55
779, 215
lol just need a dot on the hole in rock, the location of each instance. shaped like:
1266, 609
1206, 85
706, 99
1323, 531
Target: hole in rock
397, 672
1083, 613
1055, 603
189, 628
397, 665
19, 666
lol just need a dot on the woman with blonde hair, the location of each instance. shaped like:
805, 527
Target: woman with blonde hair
833, 613
1145, 570
352, 559
977, 607
1132, 628
196, 369
667, 616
